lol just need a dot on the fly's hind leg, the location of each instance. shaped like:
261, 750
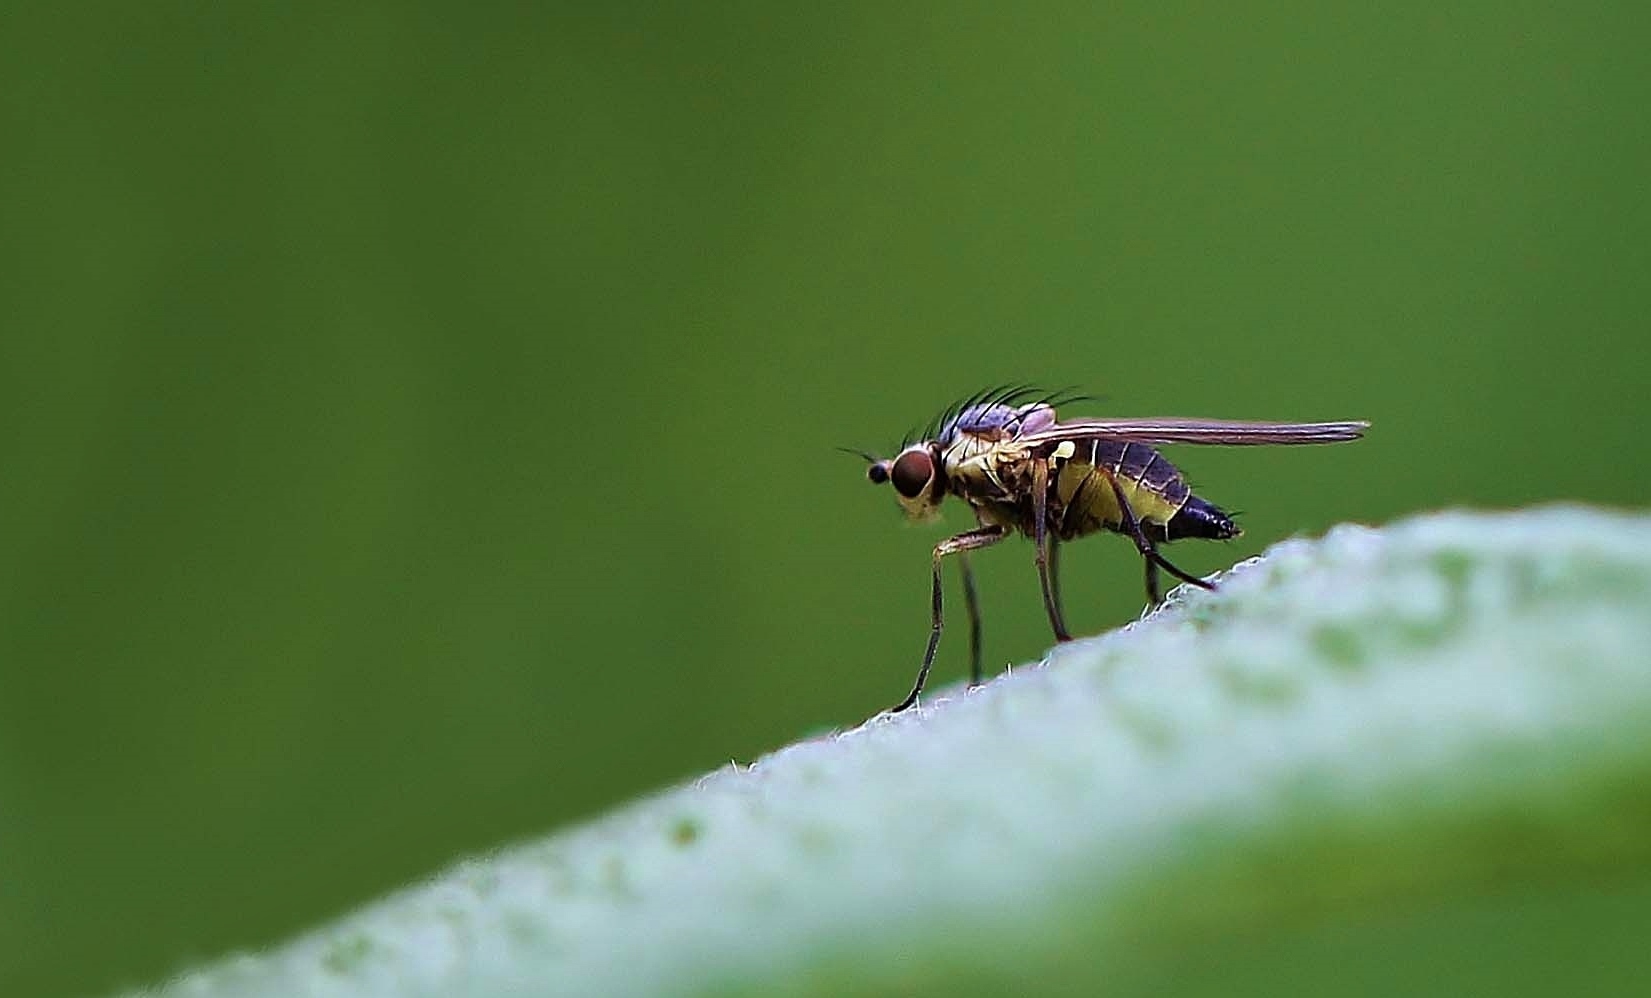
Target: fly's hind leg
969, 540
1149, 550
1155, 595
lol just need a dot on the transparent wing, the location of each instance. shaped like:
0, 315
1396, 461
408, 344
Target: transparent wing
1177, 430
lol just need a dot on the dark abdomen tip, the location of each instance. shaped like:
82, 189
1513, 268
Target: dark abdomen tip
1197, 518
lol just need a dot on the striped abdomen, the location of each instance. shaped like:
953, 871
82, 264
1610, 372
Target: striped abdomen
1154, 488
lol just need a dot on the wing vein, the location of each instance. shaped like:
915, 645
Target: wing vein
1179, 430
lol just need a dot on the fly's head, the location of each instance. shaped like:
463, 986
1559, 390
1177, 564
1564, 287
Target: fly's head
956, 450
918, 477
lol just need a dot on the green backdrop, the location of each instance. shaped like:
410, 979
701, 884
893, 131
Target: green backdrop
417, 421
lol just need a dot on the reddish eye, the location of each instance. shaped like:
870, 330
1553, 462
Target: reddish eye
912, 473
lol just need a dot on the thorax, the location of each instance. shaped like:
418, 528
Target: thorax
994, 477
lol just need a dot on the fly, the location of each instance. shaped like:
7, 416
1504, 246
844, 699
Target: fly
1004, 453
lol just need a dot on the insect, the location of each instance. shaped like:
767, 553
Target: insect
1004, 453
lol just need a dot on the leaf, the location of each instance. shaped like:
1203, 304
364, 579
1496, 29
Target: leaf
1404, 760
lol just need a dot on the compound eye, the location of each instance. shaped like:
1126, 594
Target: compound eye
878, 473
912, 472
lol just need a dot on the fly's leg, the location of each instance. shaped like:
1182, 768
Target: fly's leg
1055, 575
969, 540
972, 603
1149, 551
1042, 541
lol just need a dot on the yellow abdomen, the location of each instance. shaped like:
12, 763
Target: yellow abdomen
1151, 485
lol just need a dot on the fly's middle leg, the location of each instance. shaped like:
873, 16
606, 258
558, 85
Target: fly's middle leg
971, 602
1055, 575
969, 540
1043, 541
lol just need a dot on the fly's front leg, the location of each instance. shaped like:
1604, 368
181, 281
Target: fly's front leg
969, 540
1143, 544
1042, 541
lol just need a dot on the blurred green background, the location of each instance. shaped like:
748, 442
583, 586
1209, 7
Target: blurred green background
416, 421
